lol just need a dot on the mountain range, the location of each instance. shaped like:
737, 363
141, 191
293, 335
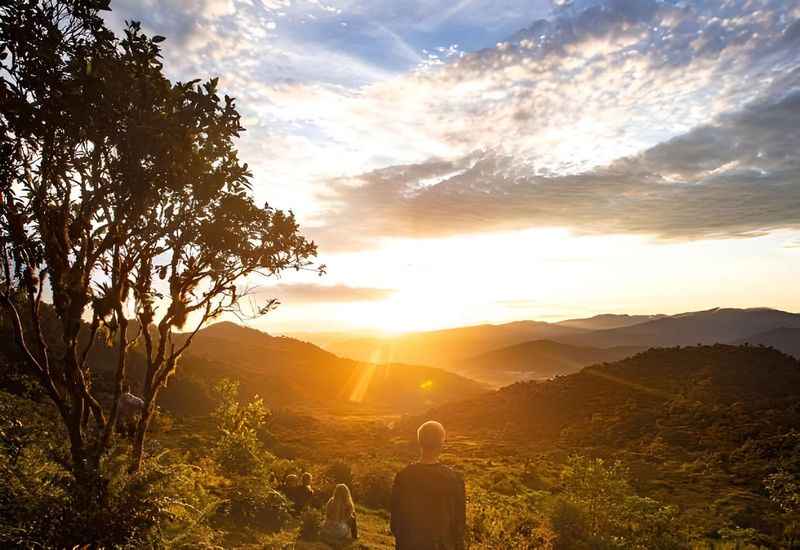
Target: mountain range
416, 371
455, 348
719, 325
446, 346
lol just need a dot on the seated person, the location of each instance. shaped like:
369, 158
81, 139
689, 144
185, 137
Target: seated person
304, 492
340, 525
290, 487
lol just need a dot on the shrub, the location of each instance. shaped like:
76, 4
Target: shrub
254, 503
603, 509
373, 488
495, 522
310, 525
41, 505
570, 525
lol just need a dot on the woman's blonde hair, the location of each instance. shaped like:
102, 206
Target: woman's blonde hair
340, 506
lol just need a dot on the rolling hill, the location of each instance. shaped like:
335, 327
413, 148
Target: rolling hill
687, 329
536, 360
640, 394
783, 339
442, 347
288, 372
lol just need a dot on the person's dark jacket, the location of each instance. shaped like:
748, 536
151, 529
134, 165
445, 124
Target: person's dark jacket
428, 508
302, 497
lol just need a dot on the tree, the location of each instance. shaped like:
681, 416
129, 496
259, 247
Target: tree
124, 192
238, 450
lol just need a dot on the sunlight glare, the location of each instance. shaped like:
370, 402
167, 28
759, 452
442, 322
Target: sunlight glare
360, 389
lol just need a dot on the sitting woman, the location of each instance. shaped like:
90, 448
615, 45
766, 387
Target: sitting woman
340, 518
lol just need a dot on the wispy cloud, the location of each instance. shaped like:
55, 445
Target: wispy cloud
739, 176
316, 293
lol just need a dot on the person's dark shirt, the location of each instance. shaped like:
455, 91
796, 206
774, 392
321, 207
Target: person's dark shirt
428, 508
302, 496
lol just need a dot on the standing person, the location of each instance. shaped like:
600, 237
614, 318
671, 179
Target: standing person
130, 407
428, 499
340, 525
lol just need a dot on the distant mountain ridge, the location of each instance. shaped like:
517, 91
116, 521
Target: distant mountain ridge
448, 348
442, 347
718, 325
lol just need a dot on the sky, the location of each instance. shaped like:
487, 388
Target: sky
480, 161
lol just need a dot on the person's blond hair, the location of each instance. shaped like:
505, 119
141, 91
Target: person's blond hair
431, 435
340, 506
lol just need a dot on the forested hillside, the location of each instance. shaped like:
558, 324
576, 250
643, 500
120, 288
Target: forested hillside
704, 426
285, 371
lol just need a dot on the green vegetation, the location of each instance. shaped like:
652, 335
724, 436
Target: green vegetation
535, 494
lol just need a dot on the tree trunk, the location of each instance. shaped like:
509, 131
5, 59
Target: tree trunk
119, 380
141, 433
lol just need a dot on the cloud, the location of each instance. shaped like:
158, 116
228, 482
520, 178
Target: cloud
315, 293
590, 118
738, 176
564, 95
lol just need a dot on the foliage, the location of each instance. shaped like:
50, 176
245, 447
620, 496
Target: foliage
572, 525
373, 487
42, 505
597, 487
310, 524
238, 450
784, 490
607, 511
340, 472
254, 503
497, 522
